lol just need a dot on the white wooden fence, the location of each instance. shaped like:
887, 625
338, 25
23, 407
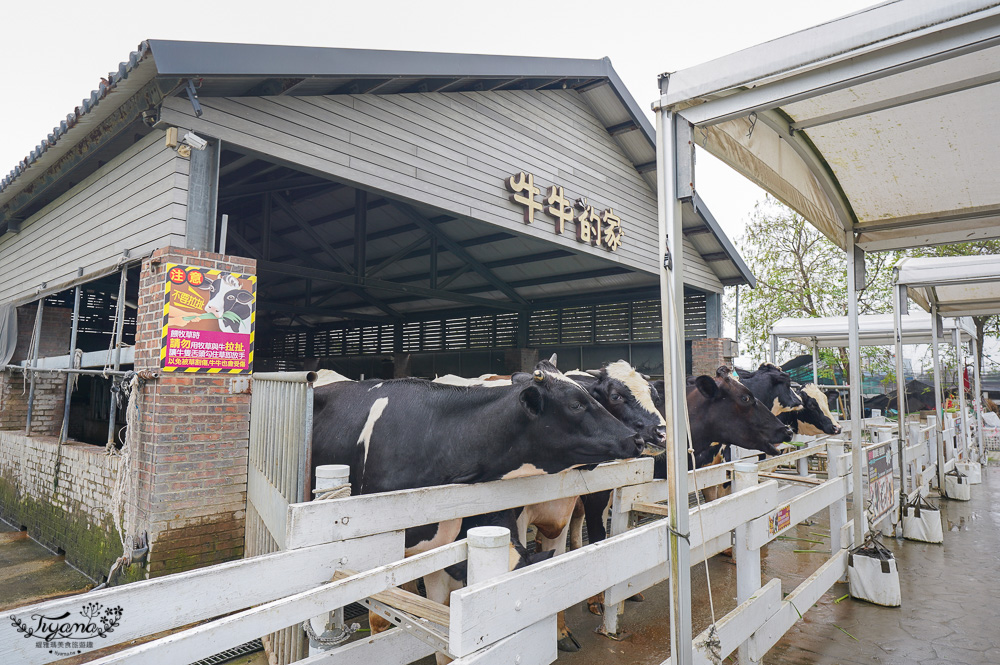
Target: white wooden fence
495, 620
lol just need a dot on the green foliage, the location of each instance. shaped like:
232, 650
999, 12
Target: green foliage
800, 273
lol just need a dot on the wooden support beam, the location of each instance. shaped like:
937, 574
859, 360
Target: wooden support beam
311, 232
792, 479
459, 251
380, 285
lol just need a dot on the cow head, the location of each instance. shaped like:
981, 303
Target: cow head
772, 386
628, 396
815, 417
724, 410
565, 424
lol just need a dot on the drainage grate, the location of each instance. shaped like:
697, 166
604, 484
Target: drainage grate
250, 647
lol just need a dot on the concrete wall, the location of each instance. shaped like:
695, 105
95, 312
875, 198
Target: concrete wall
192, 458
73, 516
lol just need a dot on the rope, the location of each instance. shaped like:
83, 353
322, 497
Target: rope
334, 493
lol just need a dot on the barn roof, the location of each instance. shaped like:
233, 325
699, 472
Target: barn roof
162, 68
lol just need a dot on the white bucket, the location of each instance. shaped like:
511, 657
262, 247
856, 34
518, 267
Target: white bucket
956, 486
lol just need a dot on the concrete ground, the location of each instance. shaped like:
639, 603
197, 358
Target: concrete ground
950, 612
29, 573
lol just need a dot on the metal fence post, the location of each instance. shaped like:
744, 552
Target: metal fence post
745, 475
330, 477
34, 362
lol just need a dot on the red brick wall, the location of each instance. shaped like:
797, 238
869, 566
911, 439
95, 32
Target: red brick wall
192, 461
707, 355
50, 389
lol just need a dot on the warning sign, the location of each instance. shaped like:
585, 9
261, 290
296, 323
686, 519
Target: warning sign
779, 520
208, 321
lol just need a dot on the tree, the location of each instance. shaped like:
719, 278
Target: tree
800, 273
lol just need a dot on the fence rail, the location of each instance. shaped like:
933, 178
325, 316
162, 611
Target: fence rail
499, 618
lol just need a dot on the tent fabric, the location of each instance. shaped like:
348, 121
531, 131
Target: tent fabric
8, 332
877, 124
959, 285
875, 330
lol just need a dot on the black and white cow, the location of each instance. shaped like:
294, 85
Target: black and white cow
410, 433
772, 386
814, 418
230, 303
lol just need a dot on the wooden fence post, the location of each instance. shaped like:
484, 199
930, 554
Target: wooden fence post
619, 525
745, 475
489, 553
835, 467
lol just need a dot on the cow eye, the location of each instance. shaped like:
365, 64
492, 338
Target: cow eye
746, 399
230, 297
616, 397
575, 405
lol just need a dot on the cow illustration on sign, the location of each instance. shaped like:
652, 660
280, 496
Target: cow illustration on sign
230, 304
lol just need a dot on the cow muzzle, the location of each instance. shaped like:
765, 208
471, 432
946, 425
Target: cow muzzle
786, 434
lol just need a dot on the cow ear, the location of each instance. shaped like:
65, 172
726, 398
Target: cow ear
596, 372
706, 386
244, 297
532, 401
553, 360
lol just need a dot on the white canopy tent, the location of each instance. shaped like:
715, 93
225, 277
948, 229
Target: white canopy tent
873, 330
956, 285
877, 127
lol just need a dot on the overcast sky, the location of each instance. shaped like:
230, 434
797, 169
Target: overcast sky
55, 52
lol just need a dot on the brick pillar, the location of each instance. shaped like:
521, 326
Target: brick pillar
192, 458
50, 389
708, 354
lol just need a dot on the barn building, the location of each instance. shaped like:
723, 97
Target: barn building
388, 214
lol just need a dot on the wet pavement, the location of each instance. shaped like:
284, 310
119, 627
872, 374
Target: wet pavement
29, 573
950, 612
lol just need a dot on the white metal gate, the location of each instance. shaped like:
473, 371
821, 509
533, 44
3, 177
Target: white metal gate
278, 473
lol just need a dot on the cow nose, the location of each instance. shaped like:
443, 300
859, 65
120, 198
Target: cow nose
661, 431
787, 433
837, 429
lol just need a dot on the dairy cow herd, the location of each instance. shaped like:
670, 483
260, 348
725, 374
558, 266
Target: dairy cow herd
410, 433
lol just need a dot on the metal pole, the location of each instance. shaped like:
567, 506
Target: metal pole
774, 349
34, 362
117, 339
672, 303
977, 400
938, 411
899, 302
64, 433
815, 362
854, 344
956, 336
223, 233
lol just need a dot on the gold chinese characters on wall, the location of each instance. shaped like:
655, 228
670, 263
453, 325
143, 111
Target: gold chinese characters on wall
601, 229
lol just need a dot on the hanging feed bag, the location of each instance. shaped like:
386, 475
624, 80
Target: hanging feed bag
872, 574
971, 469
922, 521
956, 486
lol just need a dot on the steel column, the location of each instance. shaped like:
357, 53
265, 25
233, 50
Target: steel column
37, 338
360, 233
854, 352
203, 198
956, 337
977, 400
774, 349
815, 350
117, 341
672, 311
64, 432
898, 304
938, 411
